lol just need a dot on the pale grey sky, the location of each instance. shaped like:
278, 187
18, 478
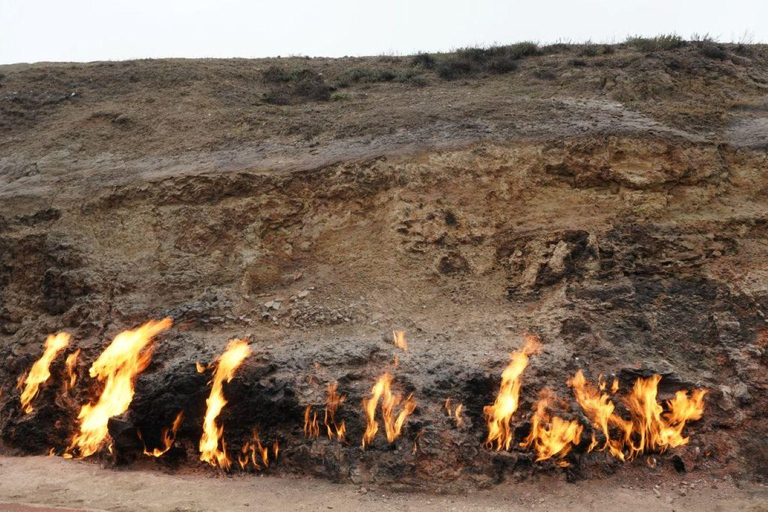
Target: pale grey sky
87, 30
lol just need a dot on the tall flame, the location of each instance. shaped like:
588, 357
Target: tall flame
127, 356
230, 360
599, 409
41, 370
335, 430
311, 427
393, 424
551, 436
499, 414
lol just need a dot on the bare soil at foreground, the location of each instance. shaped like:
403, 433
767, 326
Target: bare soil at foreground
86, 486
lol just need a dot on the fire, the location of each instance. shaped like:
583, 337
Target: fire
127, 356
399, 339
599, 410
169, 435
335, 430
41, 370
311, 427
454, 412
551, 436
393, 424
236, 352
499, 414
255, 453
650, 428
71, 365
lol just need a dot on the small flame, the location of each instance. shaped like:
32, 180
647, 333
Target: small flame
255, 453
200, 367
455, 413
393, 424
169, 436
333, 400
499, 414
399, 339
41, 370
230, 360
71, 365
551, 436
311, 427
127, 356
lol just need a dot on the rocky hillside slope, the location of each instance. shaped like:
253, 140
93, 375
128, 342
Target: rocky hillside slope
611, 200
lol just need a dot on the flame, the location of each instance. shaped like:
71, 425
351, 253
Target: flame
119, 364
399, 339
253, 452
71, 365
169, 435
551, 436
393, 425
652, 429
456, 413
41, 370
333, 400
500, 413
311, 427
230, 360
599, 409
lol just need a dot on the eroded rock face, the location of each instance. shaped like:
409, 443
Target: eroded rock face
629, 251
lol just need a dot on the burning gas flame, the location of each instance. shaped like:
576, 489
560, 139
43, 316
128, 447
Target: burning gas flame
230, 360
253, 452
169, 435
454, 412
311, 427
41, 370
393, 424
127, 356
399, 339
335, 430
650, 429
71, 365
499, 414
551, 436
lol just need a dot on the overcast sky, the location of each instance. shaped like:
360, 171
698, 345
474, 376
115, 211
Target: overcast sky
88, 30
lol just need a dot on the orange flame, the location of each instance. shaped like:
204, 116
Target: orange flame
230, 360
311, 427
455, 413
551, 436
652, 428
255, 453
41, 370
169, 436
599, 409
333, 400
393, 424
71, 365
127, 356
399, 339
500, 413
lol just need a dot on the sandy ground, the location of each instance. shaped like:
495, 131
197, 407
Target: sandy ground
56, 482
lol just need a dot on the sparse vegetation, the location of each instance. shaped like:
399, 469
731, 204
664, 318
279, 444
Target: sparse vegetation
374, 75
496, 59
292, 86
655, 44
339, 96
713, 51
423, 60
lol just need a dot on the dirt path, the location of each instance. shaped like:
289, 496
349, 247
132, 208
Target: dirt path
56, 482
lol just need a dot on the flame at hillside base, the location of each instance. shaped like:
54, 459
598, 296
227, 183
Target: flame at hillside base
393, 424
168, 437
230, 360
551, 436
71, 366
499, 415
333, 401
127, 356
41, 369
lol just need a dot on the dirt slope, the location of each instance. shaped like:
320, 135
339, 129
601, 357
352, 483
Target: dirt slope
612, 203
